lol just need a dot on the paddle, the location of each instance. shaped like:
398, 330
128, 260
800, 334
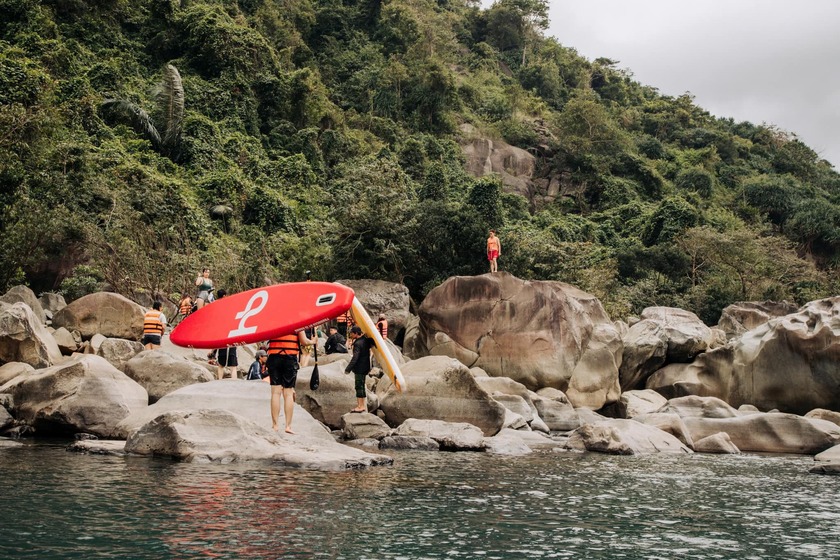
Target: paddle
315, 379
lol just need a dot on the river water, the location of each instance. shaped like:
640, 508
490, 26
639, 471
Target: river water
56, 504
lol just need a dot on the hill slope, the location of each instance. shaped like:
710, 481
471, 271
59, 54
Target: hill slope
141, 141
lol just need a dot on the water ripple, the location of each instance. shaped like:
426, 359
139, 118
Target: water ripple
428, 505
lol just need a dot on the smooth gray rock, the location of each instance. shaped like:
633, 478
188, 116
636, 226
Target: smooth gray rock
6, 419
99, 447
440, 388
762, 432
743, 316
24, 338
105, 313
415, 443
83, 394
67, 343
118, 351
335, 396
716, 443
250, 399
221, 436
364, 426
455, 436
52, 302
506, 443
22, 294
625, 437
670, 423
12, 369
161, 373
636, 402
511, 328
823, 414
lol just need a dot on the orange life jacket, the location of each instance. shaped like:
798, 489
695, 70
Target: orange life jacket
346, 317
382, 325
186, 307
152, 323
286, 345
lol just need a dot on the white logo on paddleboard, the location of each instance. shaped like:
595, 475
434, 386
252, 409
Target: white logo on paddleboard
249, 311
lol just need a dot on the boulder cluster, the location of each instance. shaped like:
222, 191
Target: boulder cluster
493, 363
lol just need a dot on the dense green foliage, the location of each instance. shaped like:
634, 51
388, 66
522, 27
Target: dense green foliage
143, 140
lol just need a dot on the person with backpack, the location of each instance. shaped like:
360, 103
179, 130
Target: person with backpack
336, 343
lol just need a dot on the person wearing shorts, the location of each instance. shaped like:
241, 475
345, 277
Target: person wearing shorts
282, 366
494, 249
226, 361
154, 323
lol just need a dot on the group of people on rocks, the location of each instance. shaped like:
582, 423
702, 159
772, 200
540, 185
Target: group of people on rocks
277, 361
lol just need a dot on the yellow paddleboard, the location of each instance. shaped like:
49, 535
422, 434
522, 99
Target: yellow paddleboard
380, 350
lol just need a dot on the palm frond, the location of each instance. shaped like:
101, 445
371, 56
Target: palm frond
170, 96
126, 112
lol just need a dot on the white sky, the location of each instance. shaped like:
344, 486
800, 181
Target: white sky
763, 61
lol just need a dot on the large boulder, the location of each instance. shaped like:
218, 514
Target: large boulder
789, 363
686, 334
743, 316
221, 436
118, 351
754, 432
440, 388
624, 437
83, 394
106, 313
379, 296
22, 294
161, 373
250, 399
644, 351
540, 334
68, 343
24, 338
363, 426
635, 403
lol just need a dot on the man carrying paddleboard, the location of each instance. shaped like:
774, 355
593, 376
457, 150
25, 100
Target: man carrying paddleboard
360, 365
282, 367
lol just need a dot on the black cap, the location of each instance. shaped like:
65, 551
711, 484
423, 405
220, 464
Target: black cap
356, 329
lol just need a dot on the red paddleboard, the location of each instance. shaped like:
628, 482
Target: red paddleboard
262, 314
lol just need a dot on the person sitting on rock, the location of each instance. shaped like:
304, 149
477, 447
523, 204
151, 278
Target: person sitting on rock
257, 370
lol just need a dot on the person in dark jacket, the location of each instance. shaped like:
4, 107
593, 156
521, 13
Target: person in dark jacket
360, 365
336, 343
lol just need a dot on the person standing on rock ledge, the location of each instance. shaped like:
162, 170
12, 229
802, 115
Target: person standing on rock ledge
494, 250
360, 365
282, 368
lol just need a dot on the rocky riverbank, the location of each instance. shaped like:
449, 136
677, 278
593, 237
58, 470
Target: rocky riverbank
493, 363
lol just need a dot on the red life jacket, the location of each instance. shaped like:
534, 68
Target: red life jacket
382, 325
286, 345
152, 323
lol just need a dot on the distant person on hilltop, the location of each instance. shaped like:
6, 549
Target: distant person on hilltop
494, 250
205, 286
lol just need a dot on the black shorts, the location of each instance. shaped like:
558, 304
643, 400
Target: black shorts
226, 357
150, 339
282, 370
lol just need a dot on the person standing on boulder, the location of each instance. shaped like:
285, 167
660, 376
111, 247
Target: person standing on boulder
494, 250
154, 323
360, 365
283, 366
205, 286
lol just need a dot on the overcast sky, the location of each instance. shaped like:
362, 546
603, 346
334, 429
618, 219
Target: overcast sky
763, 61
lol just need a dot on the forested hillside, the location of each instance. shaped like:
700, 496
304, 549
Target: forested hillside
141, 140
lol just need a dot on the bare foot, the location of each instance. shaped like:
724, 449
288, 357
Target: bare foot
289, 431
275, 427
